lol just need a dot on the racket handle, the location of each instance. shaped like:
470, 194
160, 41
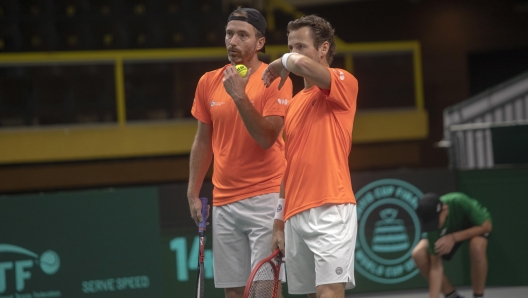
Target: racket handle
203, 224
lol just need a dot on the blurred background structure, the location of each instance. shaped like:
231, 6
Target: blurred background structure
85, 66
97, 93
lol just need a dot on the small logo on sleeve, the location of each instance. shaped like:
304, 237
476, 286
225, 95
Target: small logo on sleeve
340, 73
282, 101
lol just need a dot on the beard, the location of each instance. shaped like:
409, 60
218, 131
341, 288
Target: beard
238, 56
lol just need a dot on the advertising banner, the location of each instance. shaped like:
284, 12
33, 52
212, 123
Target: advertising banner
388, 227
179, 243
388, 230
100, 243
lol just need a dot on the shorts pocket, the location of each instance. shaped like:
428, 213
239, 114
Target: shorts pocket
342, 211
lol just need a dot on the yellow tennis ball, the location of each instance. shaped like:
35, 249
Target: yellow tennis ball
242, 70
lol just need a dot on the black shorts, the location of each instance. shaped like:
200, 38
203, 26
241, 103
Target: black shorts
449, 256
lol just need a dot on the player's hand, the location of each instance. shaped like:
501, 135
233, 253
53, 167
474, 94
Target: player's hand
275, 70
445, 244
277, 239
234, 84
195, 206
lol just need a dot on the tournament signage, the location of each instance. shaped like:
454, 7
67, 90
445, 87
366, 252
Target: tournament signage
179, 243
101, 243
388, 227
388, 230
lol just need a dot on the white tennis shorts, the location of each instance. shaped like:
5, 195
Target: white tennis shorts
241, 238
320, 245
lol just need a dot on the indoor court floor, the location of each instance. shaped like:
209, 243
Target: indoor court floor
491, 292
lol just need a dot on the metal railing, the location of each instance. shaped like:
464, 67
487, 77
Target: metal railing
467, 125
119, 57
471, 145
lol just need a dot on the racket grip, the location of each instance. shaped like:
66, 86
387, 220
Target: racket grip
203, 224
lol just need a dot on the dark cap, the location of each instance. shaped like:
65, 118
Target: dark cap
428, 210
254, 17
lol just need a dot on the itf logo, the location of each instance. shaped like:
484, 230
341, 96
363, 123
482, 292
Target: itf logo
49, 263
388, 230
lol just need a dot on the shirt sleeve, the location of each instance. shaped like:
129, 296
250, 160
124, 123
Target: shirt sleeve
277, 100
476, 213
343, 89
200, 108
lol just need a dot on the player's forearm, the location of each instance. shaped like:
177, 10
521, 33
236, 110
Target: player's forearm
310, 70
199, 162
260, 129
278, 225
473, 231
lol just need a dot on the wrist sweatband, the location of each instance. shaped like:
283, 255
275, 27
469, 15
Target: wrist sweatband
285, 59
279, 212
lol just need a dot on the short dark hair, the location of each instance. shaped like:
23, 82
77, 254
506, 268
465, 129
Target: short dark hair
321, 31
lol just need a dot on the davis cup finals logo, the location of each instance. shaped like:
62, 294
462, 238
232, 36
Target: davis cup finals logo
388, 230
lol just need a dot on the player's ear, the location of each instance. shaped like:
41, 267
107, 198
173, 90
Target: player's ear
324, 49
260, 43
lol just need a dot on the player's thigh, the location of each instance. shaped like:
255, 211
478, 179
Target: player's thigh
300, 264
331, 236
257, 215
331, 290
420, 251
231, 253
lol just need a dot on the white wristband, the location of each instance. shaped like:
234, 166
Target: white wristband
279, 212
285, 59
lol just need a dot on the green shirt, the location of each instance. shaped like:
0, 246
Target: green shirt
464, 213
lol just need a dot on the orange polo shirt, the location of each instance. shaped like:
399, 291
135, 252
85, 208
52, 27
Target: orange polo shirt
318, 133
242, 169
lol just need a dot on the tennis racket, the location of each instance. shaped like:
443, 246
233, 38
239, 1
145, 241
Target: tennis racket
263, 281
201, 232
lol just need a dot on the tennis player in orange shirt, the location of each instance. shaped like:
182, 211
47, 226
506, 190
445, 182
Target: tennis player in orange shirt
316, 223
239, 121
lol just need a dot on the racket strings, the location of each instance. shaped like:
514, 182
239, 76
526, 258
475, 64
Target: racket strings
264, 283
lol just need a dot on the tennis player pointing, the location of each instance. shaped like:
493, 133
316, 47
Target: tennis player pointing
319, 205
239, 122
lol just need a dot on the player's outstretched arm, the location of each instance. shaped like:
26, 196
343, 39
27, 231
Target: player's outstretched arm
314, 72
200, 160
484, 228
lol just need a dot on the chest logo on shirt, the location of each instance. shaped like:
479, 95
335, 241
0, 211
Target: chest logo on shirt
282, 101
388, 230
216, 103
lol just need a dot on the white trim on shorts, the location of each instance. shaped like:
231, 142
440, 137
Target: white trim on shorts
320, 244
242, 234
